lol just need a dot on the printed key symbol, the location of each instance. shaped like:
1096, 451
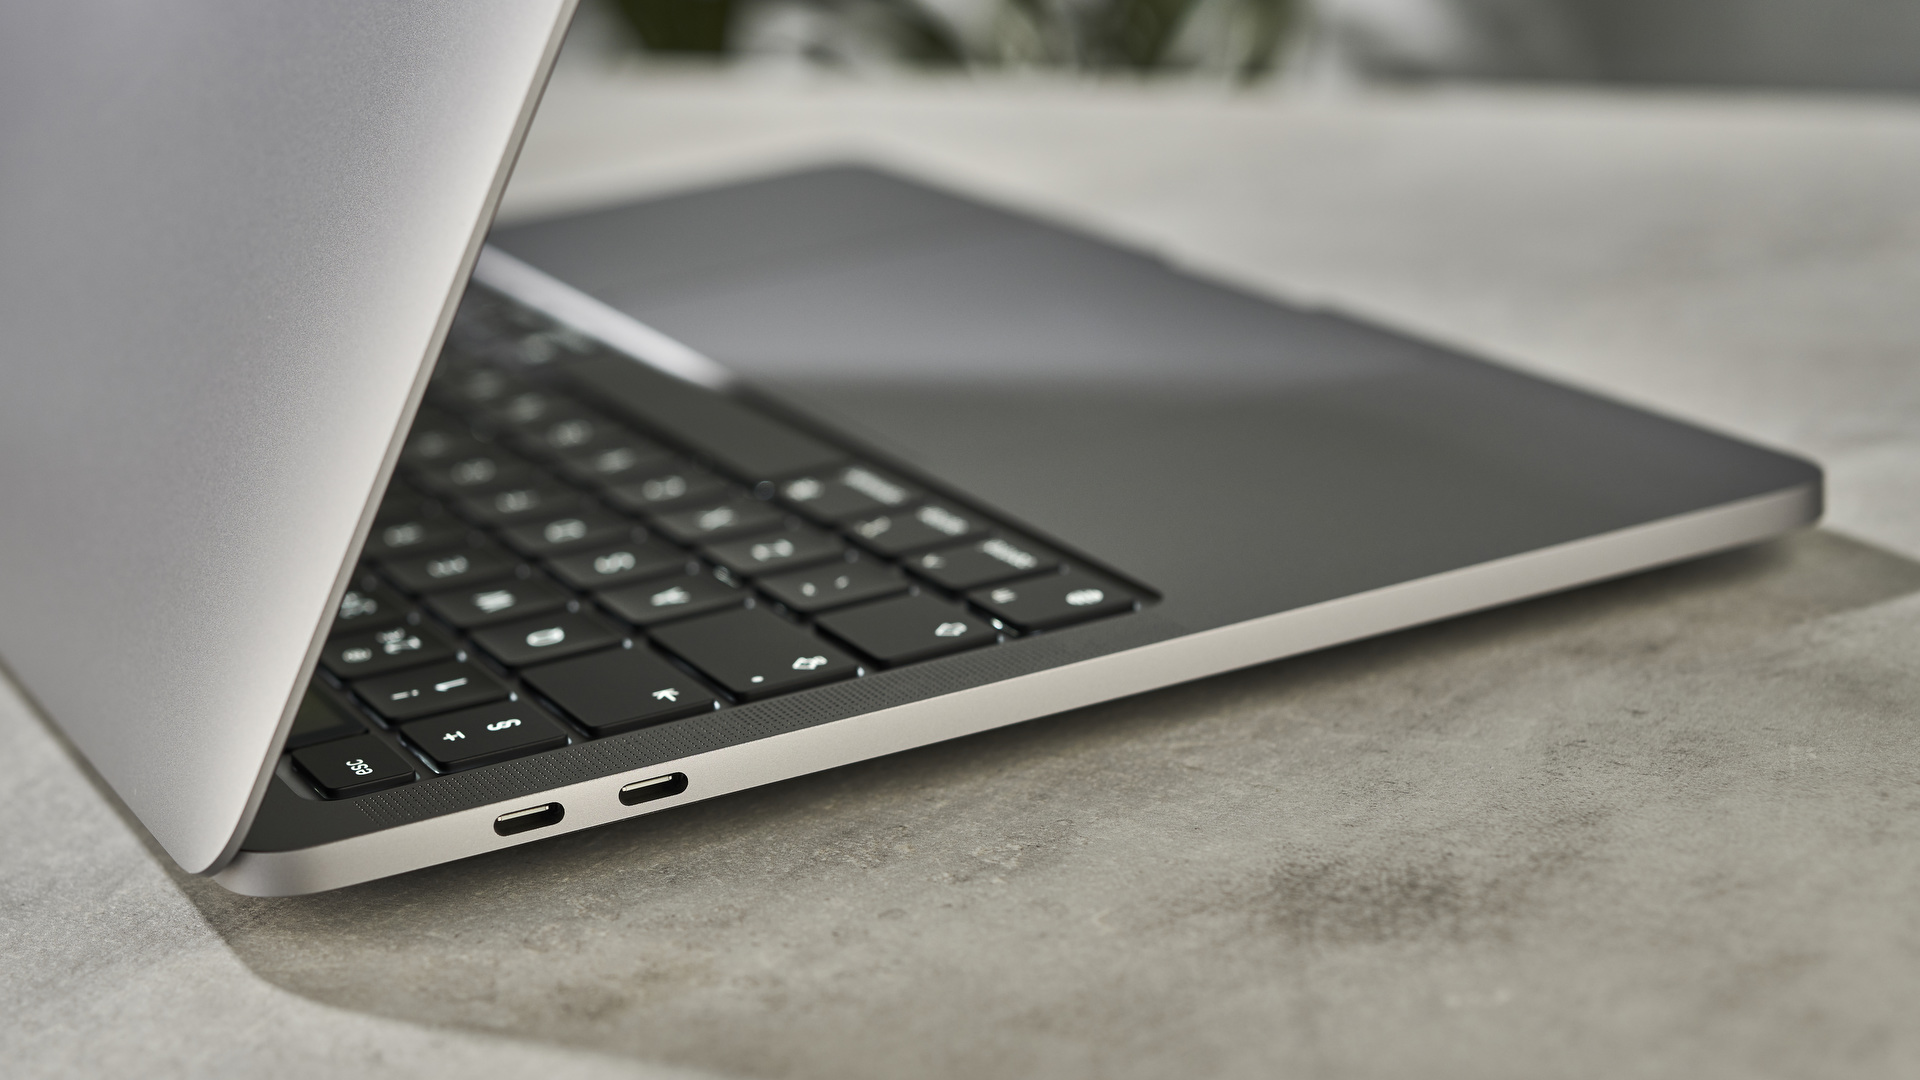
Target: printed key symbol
614, 563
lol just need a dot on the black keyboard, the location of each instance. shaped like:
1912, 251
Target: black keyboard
576, 545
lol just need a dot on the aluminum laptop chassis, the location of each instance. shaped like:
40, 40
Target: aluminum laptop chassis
1737, 495
231, 240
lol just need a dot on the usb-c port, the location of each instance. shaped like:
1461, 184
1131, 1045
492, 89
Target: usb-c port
533, 817
659, 787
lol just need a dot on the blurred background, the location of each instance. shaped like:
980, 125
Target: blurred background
1847, 45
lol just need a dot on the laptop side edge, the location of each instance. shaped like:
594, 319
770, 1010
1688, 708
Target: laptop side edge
1177, 659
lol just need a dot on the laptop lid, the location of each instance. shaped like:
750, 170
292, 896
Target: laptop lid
231, 236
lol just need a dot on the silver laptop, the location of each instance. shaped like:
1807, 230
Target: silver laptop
341, 539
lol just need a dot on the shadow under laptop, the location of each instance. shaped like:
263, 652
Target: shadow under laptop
1378, 857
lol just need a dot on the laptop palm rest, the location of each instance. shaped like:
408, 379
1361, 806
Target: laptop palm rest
1240, 456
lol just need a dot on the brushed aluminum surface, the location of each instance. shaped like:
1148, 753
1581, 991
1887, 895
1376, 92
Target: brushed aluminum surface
231, 235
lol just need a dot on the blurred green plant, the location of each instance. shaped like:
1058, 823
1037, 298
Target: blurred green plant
680, 26
1231, 38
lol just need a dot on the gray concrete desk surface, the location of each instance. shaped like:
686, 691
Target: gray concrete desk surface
1668, 826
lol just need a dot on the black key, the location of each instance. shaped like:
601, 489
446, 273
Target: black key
498, 603
425, 691
440, 445
849, 491
392, 648
369, 602
474, 387
834, 585
521, 504
775, 551
1055, 600
604, 568
356, 766
569, 432
671, 598
742, 440
562, 433
529, 410
469, 565
667, 489
754, 652
402, 502
983, 562
396, 539
321, 718
911, 530
548, 637
628, 460
908, 628
478, 474
432, 416
720, 521
620, 689
471, 738
578, 531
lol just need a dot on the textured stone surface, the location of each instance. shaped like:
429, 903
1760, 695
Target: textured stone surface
1667, 826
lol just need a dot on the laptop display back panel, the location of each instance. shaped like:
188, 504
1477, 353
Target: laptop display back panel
230, 238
